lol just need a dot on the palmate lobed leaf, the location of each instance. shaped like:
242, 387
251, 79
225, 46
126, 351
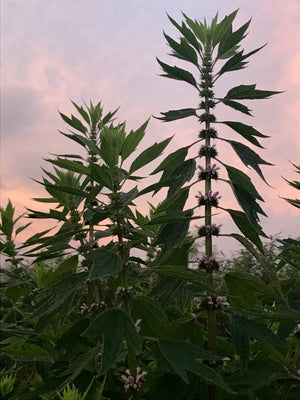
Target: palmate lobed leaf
182, 50
231, 39
177, 73
116, 326
185, 357
249, 92
242, 222
105, 263
248, 157
246, 131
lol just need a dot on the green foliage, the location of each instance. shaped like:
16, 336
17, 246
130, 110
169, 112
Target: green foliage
109, 307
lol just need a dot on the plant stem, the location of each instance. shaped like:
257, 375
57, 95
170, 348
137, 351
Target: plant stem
211, 314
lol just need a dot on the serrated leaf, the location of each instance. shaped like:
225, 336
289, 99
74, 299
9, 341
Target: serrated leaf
172, 218
185, 357
177, 73
148, 155
82, 112
248, 157
115, 325
183, 173
153, 318
74, 123
258, 330
182, 50
75, 166
239, 178
223, 26
112, 140
24, 351
172, 235
186, 274
173, 115
132, 140
173, 159
242, 222
237, 106
187, 33
241, 342
248, 92
246, 131
105, 263
232, 39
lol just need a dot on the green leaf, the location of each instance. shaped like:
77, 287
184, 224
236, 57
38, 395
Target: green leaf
148, 155
172, 235
247, 131
253, 284
153, 318
7, 223
237, 61
248, 157
74, 123
241, 342
172, 217
173, 159
232, 39
75, 166
132, 140
236, 106
182, 50
183, 273
112, 140
187, 33
241, 294
258, 330
242, 222
173, 115
249, 206
105, 263
185, 357
223, 27
233, 64
248, 92
23, 351
82, 112
102, 174
239, 178
115, 325
183, 173
177, 73
176, 202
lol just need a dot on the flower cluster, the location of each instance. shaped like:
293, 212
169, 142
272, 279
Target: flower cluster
208, 133
211, 199
209, 263
297, 331
209, 230
207, 117
124, 292
85, 309
138, 325
210, 151
211, 172
213, 303
134, 383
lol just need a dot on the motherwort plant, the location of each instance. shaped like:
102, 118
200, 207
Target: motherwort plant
215, 50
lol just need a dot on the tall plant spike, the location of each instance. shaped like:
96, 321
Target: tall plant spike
214, 50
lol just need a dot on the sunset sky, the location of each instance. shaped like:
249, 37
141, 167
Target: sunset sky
57, 50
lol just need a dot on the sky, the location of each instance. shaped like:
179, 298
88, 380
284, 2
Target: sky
54, 51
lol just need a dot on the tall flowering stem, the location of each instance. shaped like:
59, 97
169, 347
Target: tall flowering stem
205, 46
